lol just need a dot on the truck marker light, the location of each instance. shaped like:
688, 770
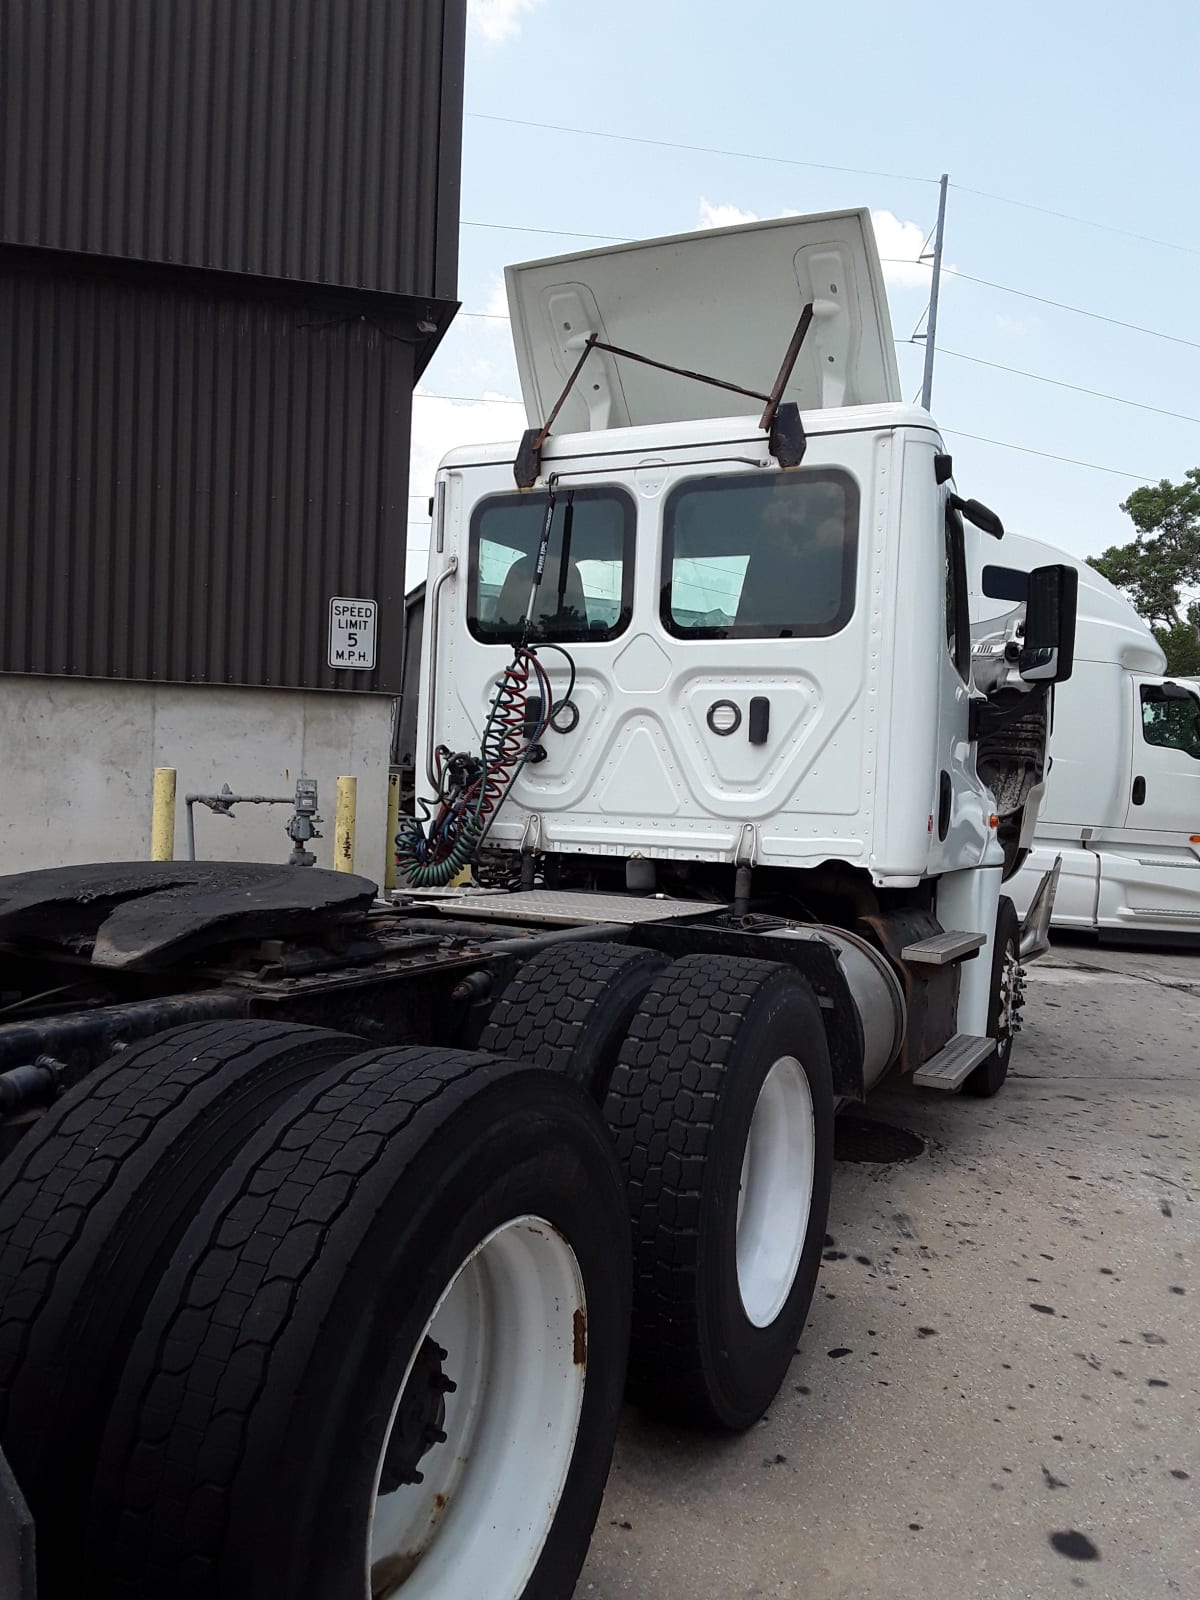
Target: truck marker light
993, 821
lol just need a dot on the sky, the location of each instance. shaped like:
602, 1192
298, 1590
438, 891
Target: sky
1032, 109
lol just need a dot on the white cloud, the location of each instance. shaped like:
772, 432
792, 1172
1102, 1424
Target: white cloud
496, 304
723, 216
1010, 327
499, 20
900, 246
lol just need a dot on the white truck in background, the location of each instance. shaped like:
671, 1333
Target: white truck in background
1121, 803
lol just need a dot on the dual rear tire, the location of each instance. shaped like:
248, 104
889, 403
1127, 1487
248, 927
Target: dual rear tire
280, 1316
373, 1345
715, 1078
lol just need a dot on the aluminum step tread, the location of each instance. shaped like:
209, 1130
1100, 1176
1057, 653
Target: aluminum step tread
954, 1063
559, 907
943, 948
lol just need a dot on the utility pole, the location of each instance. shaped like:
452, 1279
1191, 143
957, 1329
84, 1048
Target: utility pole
931, 323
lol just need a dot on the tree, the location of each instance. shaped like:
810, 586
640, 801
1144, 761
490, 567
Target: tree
1158, 568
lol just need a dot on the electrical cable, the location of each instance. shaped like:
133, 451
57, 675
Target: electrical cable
1059, 305
433, 849
820, 166
1071, 461
1084, 222
556, 233
699, 149
1059, 383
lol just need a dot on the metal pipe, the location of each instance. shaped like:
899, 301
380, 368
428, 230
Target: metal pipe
162, 821
219, 805
345, 824
553, 936
100, 1030
393, 827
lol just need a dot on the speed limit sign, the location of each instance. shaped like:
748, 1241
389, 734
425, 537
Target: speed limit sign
352, 633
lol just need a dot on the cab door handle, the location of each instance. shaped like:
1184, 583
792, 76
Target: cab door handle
1139, 791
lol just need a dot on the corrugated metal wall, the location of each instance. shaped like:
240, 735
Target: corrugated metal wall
316, 140
228, 244
202, 473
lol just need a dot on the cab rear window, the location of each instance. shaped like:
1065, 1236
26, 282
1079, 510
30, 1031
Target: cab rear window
762, 557
586, 590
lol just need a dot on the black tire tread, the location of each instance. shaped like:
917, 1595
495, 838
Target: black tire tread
543, 1012
661, 1109
103, 1137
182, 1425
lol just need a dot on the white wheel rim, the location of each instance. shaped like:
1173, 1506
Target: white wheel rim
775, 1196
513, 1323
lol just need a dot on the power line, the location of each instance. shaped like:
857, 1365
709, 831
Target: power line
698, 149
469, 399
1071, 461
1058, 383
555, 233
1059, 305
823, 166
1003, 444
1085, 222
967, 277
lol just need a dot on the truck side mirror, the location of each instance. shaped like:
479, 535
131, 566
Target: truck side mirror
1048, 653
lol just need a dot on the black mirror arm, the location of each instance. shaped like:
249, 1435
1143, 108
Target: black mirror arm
978, 515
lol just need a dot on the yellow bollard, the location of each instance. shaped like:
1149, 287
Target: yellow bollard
393, 827
162, 820
344, 823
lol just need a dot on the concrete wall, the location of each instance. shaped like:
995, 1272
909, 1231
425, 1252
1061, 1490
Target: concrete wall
77, 760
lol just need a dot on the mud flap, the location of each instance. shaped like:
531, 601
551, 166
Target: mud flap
1035, 931
17, 1578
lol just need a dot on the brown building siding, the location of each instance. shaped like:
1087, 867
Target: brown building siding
228, 246
316, 140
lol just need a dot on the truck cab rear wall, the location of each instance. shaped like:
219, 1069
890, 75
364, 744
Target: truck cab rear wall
862, 718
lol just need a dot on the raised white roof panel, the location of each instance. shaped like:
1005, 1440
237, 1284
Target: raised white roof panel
724, 302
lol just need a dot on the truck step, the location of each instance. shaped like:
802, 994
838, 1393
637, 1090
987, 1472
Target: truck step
954, 1063
943, 948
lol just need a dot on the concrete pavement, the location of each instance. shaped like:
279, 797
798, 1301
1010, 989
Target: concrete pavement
998, 1394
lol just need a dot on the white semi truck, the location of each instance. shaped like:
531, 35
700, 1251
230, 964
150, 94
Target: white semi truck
329, 1281
1122, 796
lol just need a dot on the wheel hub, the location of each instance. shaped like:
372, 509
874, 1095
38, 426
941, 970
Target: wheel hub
470, 1477
420, 1419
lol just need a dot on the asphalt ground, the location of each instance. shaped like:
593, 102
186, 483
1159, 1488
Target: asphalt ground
998, 1393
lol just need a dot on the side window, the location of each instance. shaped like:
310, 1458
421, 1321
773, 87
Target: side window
958, 620
1171, 721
